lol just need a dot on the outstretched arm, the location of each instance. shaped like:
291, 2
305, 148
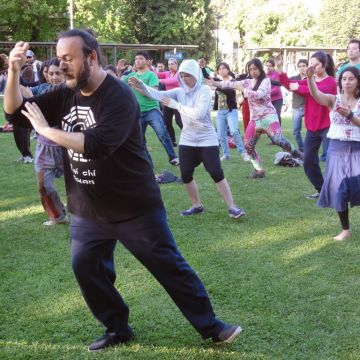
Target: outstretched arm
235, 85
146, 90
322, 98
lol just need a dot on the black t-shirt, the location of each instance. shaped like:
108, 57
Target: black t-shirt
113, 180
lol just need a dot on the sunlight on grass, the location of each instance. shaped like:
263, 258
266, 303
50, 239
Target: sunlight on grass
21, 213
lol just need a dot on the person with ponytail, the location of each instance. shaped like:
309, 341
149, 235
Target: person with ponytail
317, 120
263, 116
342, 174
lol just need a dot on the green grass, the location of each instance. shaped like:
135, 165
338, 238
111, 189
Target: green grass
277, 272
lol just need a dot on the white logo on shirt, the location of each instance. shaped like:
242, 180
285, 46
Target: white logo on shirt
79, 118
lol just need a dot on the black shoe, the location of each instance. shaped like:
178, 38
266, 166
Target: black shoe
110, 339
227, 335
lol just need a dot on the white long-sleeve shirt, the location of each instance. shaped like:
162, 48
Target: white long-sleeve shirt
194, 106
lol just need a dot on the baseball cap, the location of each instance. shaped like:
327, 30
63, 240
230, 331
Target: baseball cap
30, 53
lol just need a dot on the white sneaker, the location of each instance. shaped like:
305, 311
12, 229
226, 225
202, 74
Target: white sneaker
175, 162
225, 157
28, 160
245, 156
61, 220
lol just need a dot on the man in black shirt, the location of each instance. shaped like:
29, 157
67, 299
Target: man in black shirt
111, 189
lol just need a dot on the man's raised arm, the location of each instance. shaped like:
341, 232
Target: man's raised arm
12, 95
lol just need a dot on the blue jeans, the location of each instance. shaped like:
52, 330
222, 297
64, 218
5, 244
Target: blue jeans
150, 240
297, 117
313, 140
155, 120
225, 118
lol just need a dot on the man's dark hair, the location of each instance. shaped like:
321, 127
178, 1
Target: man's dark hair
88, 37
202, 57
143, 53
303, 61
354, 41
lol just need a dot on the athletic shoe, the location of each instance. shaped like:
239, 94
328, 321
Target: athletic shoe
235, 212
193, 211
225, 157
59, 221
28, 160
20, 159
108, 340
313, 196
257, 174
227, 335
175, 162
245, 156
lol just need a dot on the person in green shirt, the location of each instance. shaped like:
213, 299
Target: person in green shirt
353, 53
150, 109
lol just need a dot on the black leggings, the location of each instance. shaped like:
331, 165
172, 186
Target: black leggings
344, 219
191, 157
168, 114
22, 140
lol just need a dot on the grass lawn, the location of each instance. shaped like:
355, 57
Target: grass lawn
277, 272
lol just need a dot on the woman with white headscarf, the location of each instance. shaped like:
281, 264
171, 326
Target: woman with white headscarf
198, 140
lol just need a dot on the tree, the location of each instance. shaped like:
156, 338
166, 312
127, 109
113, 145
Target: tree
32, 20
339, 22
149, 21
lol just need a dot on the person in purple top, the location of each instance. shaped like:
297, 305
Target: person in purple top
48, 157
276, 94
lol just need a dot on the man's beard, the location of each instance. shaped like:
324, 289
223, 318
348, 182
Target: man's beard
82, 79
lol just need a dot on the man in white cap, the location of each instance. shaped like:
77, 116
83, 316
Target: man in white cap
36, 64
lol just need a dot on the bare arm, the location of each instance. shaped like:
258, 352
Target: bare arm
69, 140
322, 98
12, 94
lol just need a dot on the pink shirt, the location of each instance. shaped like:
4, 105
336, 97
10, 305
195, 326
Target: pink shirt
259, 100
316, 116
276, 93
169, 79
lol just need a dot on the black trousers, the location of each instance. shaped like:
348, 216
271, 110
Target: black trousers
312, 143
168, 114
22, 139
149, 239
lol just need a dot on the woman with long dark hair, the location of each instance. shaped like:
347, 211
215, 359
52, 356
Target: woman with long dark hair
227, 114
263, 116
342, 176
317, 120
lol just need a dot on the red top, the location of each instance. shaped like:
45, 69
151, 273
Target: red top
316, 115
